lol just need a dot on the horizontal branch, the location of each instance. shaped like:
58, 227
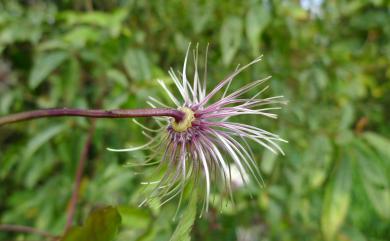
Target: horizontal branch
122, 113
25, 229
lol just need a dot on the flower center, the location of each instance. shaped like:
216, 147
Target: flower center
186, 122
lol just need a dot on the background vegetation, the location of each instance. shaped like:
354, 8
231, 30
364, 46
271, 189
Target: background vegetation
329, 58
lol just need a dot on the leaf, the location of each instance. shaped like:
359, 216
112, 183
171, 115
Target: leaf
374, 180
70, 81
317, 159
183, 230
257, 19
134, 217
43, 66
380, 143
80, 36
117, 77
44, 136
6, 101
201, 15
42, 165
336, 199
101, 225
230, 38
268, 161
347, 117
137, 64
111, 21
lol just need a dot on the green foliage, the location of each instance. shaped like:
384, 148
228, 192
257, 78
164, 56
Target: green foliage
332, 64
230, 38
101, 225
336, 199
134, 217
374, 179
257, 19
44, 66
379, 143
183, 230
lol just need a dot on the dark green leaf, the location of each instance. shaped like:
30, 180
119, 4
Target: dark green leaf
44, 66
101, 225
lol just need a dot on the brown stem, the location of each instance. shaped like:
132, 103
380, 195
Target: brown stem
25, 229
23, 116
79, 174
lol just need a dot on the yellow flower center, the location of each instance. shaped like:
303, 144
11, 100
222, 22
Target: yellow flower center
186, 122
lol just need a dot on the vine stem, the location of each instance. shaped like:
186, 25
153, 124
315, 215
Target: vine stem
26, 229
92, 113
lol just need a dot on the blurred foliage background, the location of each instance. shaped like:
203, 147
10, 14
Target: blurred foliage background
331, 59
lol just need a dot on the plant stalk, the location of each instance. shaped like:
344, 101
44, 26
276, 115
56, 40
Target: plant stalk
91, 113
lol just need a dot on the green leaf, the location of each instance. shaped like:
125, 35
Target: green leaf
183, 230
317, 159
201, 15
134, 217
347, 117
268, 161
111, 21
70, 81
230, 38
380, 143
117, 77
336, 199
80, 36
44, 136
137, 64
375, 182
257, 19
101, 225
43, 66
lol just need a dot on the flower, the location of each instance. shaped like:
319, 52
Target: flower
205, 144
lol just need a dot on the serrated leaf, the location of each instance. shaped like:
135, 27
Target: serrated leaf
257, 19
230, 38
101, 225
336, 199
183, 230
44, 136
43, 66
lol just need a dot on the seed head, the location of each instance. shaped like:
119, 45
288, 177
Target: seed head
205, 144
